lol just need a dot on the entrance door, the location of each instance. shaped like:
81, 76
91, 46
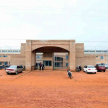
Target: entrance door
60, 62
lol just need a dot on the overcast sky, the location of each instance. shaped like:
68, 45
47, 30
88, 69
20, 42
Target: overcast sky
82, 20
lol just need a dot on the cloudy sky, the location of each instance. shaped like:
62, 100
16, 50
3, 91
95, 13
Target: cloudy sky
82, 20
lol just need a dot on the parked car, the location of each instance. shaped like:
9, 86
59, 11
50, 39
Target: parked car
89, 69
14, 69
106, 65
100, 67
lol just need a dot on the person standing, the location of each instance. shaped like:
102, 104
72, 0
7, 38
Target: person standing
80, 67
36, 66
40, 65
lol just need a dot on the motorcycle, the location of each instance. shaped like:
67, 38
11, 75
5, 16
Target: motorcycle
78, 69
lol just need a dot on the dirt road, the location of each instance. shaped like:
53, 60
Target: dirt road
53, 89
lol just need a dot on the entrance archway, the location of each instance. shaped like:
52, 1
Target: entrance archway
52, 57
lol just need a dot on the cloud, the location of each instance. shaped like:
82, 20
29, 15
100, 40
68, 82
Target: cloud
13, 36
39, 3
5, 18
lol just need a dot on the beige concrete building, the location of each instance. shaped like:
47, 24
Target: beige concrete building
53, 53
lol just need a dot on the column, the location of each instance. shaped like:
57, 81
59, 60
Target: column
28, 55
72, 56
33, 61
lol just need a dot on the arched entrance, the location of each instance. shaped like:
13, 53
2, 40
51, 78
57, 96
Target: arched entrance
52, 57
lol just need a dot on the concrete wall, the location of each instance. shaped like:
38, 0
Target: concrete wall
23, 49
104, 60
72, 55
17, 60
79, 49
56, 43
86, 60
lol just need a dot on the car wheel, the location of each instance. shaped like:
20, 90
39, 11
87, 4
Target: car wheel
21, 71
8, 73
104, 70
16, 73
95, 73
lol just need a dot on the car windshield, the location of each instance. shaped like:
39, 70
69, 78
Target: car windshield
101, 65
91, 67
13, 66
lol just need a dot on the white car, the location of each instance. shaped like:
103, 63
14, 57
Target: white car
106, 65
89, 69
14, 69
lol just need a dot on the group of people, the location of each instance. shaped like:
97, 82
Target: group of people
41, 66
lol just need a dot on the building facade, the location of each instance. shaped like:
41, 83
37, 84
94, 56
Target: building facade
53, 53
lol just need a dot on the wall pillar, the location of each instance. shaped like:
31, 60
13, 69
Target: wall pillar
28, 55
33, 62
72, 57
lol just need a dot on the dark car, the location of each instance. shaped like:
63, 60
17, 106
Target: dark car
100, 67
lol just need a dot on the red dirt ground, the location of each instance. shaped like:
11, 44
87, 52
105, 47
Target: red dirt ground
53, 89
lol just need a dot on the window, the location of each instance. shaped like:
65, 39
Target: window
92, 51
86, 51
38, 57
96, 56
0, 56
101, 57
5, 63
47, 63
90, 67
66, 57
98, 51
58, 64
0, 63
58, 59
15, 50
4, 55
9, 50
66, 64
4, 51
